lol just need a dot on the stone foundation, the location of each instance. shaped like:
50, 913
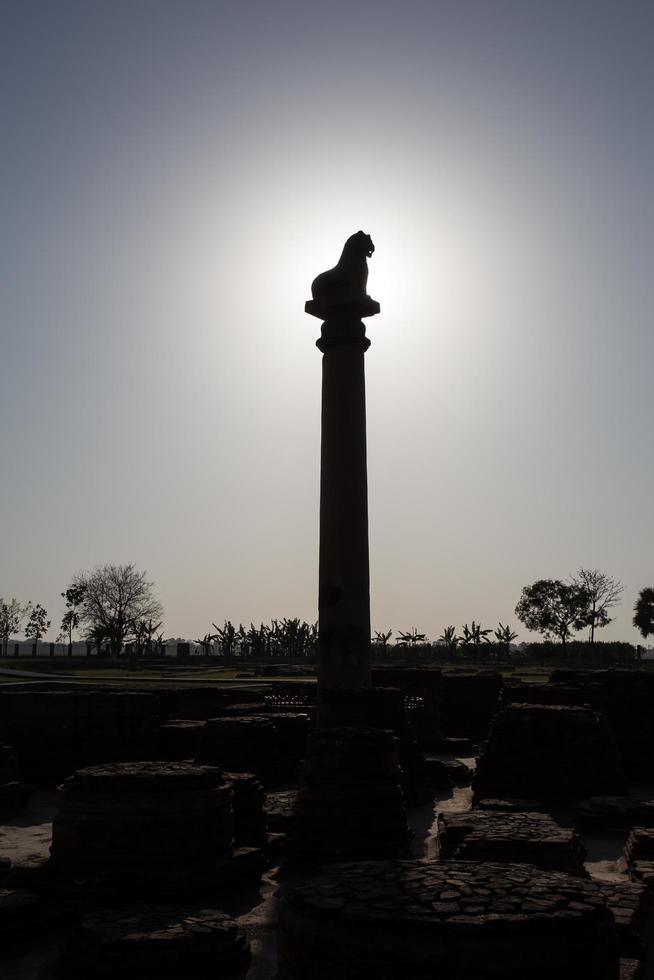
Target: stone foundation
242, 744
549, 753
56, 732
167, 943
179, 739
417, 780
292, 729
249, 815
200, 702
576, 695
445, 773
510, 837
640, 845
422, 689
632, 909
236, 710
146, 828
350, 803
423, 920
629, 705
279, 808
41, 727
621, 812
363, 707
381, 708
512, 806
470, 700
298, 697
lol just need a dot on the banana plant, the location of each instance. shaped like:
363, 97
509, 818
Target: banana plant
505, 636
381, 639
226, 638
411, 638
449, 639
474, 635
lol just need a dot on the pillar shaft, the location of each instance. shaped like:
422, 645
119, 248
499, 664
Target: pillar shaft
344, 575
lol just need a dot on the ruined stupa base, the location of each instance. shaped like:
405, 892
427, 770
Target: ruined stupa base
243, 743
350, 804
555, 753
145, 828
463, 921
166, 942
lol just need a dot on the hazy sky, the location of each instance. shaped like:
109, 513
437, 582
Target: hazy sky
174, 174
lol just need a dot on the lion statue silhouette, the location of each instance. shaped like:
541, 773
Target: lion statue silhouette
349, 278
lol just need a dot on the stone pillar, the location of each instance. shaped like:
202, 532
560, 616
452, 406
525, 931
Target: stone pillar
352, 774
344, 576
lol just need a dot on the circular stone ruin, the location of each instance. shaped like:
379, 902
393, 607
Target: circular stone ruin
454, 921
143, 826
168, 942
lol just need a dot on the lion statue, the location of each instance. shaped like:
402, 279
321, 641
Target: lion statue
349, 278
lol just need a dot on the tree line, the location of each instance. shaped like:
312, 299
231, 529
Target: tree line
114, 606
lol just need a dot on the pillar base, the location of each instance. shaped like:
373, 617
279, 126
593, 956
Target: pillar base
350, 805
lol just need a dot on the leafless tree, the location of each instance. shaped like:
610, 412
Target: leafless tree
603, 593
118, 599
12, 614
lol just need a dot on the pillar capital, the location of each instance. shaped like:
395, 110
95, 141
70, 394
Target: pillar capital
342, 326
342, 332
